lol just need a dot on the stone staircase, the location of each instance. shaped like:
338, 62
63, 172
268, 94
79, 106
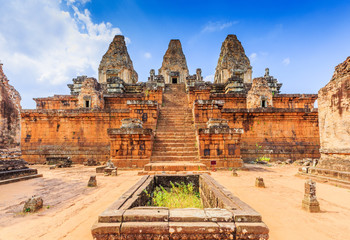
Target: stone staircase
175, 145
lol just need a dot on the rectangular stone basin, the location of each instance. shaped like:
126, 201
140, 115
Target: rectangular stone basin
224, 216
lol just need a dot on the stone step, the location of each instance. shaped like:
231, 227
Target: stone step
176, 137
174, 158
182, 122
175, 166
173, 141
167, 134
174, 153
170, 148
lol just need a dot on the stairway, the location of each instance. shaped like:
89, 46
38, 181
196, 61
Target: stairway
175, 145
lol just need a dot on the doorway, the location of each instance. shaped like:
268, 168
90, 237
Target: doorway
174, 80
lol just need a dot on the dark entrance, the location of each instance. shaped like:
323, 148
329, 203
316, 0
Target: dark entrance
174, 80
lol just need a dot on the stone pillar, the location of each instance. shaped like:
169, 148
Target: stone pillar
199, 75
310, 202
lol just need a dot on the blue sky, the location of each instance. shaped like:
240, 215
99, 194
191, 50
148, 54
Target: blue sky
45, 43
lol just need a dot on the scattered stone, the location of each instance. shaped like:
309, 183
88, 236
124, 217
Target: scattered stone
279, 162
310, 202
289, 161
308, 163
107, 173
114, 172
234, 173
92, 181
110, 164
53, 167
305, 169
33, 204
60, 162
259, 182
314, 162
91, 162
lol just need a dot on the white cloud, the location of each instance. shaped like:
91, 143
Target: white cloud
41, 42
286, 61
147, 55
209, 78
217, 26
253, 57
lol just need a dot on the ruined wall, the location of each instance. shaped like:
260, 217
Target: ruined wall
334, 120
79, 134
57, 102
281, 133
10, 118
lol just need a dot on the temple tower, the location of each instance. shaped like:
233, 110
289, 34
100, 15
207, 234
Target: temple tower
117, 63
232, 61
174, 67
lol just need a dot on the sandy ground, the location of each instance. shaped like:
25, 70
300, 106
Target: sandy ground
70, 208
280, 204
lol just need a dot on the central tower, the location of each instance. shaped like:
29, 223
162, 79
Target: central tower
174, 67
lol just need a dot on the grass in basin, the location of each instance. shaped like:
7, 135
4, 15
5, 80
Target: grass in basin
179, 196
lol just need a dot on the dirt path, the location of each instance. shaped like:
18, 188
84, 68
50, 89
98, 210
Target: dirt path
71, 208
280, 204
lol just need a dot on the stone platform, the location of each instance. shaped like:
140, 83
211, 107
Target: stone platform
333, 177
18, 175
224, 216
174, 168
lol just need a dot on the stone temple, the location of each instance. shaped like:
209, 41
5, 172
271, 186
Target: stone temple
173, 117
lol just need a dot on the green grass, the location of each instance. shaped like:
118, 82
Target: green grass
179, 196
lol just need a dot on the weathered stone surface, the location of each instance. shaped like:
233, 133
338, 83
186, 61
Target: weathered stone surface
232, 61
10, 118
90, 95
131, 123
117, 63
146, 215
33, 204
252, 231
310, 202
187, 215
174, 67
60, 162
259, 182
260, 95
334, 120
218, 215
161, 228
92, 182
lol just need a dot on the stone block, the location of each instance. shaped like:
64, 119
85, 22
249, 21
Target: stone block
92, 182
259, 182
161, 228
111, 216
187, 215
146, 215
33, 204
252, 231
218, 215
